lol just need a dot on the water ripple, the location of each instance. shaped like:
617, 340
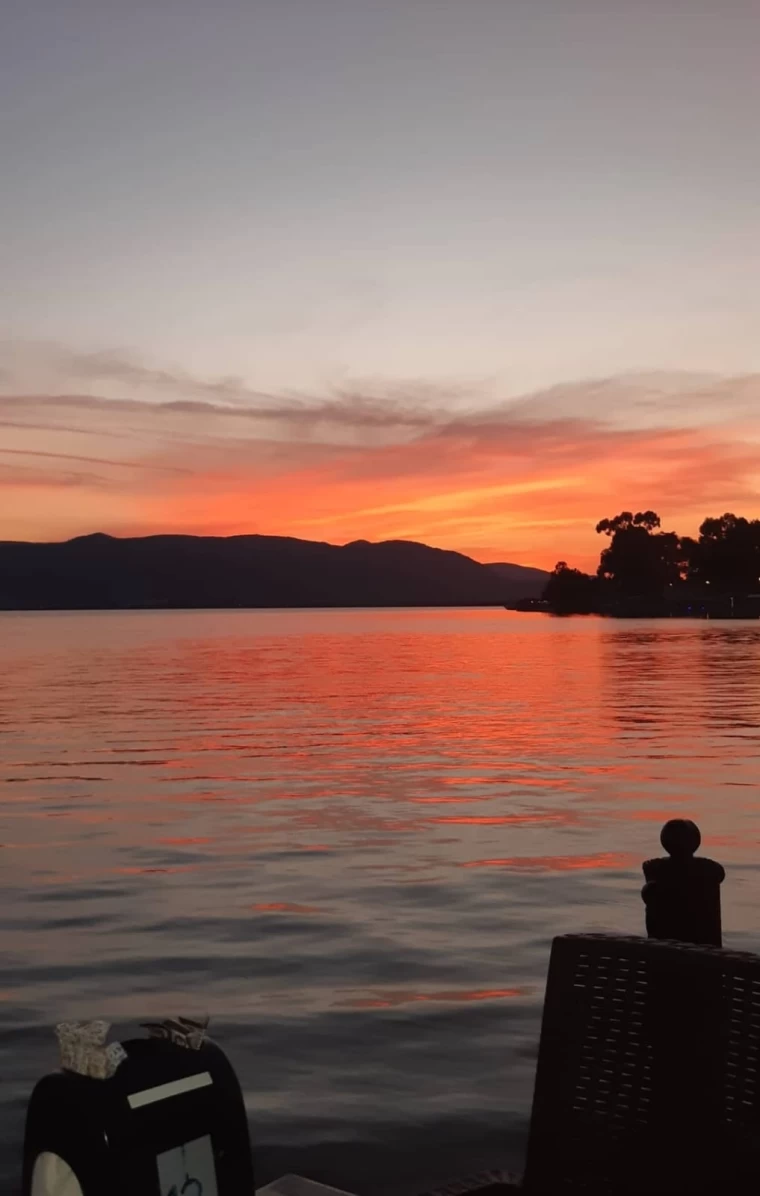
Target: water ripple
351, 835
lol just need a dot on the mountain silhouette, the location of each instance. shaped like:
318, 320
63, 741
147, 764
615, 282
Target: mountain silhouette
106, 572
520, 581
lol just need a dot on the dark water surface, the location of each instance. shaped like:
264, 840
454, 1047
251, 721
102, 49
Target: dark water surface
350, 836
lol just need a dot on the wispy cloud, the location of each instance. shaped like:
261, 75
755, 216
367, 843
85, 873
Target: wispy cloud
110, 461
525, 477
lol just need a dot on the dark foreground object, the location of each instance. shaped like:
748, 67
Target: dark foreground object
647, 1077
647, 1082
170, 1121
682, 893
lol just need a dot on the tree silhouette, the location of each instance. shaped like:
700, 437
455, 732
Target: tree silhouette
571, 592
625, 521
639, 559
727, 555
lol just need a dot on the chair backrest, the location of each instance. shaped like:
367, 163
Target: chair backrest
648, 1076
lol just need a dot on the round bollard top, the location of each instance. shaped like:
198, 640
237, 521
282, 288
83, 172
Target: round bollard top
680, 837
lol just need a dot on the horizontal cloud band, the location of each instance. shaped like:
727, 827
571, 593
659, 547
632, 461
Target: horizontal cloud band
121, 448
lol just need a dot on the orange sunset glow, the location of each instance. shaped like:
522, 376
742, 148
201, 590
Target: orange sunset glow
379, 596
523, 479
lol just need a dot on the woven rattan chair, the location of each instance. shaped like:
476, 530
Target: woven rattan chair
648, 1072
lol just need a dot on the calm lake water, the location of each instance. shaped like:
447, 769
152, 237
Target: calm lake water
350, 836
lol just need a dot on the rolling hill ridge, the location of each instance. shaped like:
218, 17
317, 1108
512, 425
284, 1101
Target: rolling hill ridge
168, 571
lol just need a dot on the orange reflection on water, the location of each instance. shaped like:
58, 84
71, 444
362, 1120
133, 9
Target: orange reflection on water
561, 863
445, 801
563, 819
186, 840
218, 745
473, 780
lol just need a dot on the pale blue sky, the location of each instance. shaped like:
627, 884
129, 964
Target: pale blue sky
299, 192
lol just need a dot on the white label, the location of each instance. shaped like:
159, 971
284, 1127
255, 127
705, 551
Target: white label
149, 1096
188, 1170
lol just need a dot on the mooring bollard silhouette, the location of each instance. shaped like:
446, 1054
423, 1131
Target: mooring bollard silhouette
682, 891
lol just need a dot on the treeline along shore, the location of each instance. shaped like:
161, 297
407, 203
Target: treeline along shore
647, 572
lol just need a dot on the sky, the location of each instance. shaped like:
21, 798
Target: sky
476, 273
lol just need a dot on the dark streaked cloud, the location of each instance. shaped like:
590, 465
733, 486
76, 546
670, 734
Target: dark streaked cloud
632, 400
